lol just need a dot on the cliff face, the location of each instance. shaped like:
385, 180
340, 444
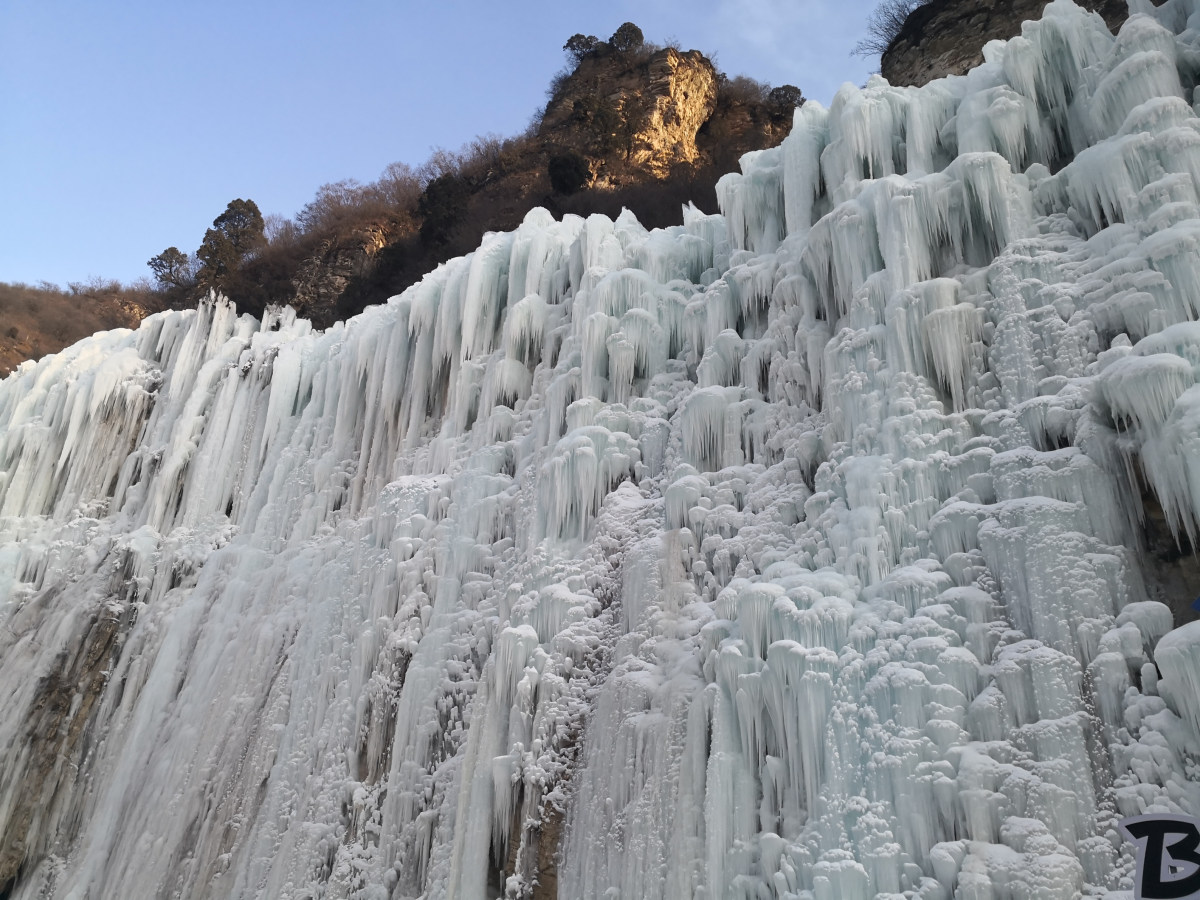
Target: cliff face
640, 120
323, 277
645, 114
946, 37
679, 98
738, 125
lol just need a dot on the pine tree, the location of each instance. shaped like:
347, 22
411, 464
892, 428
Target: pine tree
627, 38
170, 268
235, 234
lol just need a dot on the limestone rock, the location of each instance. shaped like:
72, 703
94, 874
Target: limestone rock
324, 275
946, 37
681, 95
646, 110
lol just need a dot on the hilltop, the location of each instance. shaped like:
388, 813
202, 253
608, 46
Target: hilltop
627, 124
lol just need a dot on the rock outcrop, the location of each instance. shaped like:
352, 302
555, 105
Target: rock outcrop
640, 118
339, 259
58, 730
946, 37
644, 111
678, 100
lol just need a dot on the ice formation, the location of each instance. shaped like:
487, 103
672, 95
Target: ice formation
793, 552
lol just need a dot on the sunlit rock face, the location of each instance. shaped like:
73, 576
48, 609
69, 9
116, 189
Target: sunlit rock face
657, 104
794, 552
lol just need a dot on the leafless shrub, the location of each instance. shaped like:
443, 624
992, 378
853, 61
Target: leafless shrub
399, 185
279, 229
884, 25
46, 318
743, 89
441, 162
336, 204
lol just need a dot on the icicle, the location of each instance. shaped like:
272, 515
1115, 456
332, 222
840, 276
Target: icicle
795, 551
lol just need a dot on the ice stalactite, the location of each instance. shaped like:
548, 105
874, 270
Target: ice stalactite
801, 551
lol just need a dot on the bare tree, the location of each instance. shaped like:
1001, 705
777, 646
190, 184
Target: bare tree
400, 185
884, 25
333, 203
279, 230
441, 162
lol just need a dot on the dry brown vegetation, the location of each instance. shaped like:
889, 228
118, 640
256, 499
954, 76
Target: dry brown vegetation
383, 236
38, 320
884, 26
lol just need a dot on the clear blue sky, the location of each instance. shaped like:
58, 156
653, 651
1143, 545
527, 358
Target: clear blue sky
127, 126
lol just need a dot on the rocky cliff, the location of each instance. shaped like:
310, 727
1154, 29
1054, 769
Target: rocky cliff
946, 37
680, 96
323, 277
644, 113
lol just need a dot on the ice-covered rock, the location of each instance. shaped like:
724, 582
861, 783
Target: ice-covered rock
791, 552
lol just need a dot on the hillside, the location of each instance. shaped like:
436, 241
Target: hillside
35, 321
650, 129
636, 125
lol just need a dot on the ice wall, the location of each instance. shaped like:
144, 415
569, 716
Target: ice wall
795, 552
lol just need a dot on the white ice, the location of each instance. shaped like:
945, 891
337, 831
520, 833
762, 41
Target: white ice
793, 552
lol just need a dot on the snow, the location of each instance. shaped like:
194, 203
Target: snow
790, 552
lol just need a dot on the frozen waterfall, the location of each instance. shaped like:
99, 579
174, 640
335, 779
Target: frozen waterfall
795, 552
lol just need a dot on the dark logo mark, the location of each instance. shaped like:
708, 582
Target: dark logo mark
1168, 866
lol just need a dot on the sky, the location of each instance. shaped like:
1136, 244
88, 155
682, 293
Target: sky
126, 127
